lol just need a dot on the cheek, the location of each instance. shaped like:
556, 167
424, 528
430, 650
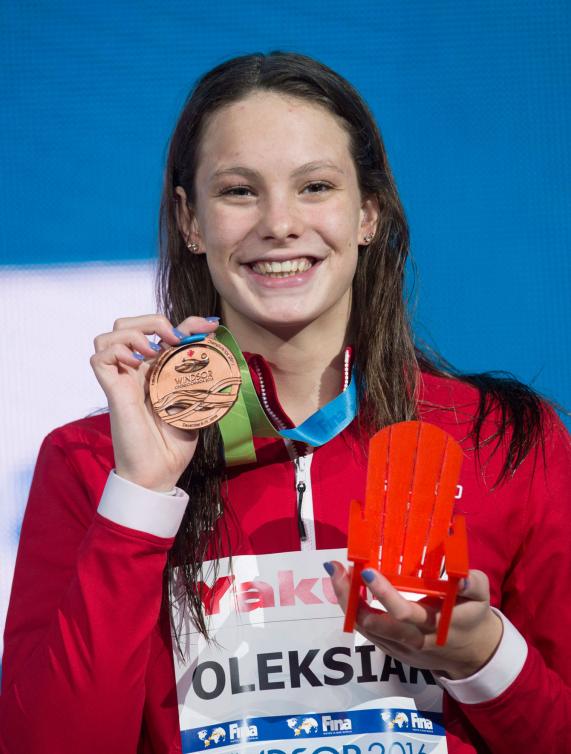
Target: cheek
341, 234
339, 224
226, 226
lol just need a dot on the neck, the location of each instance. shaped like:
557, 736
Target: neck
306, 362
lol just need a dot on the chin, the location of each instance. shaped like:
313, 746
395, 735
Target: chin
284, 322
280, 320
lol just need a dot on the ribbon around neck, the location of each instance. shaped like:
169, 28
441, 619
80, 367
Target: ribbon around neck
247, 419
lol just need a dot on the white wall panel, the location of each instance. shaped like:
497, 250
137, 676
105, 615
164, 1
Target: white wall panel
50, 316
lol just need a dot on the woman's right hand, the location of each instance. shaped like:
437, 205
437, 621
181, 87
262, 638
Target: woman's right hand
148, 451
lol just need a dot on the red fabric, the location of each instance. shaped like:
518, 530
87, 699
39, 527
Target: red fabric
88, 662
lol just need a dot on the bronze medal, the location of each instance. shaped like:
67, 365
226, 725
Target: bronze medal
195, 385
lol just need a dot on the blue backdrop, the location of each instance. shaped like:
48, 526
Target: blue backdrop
473, 101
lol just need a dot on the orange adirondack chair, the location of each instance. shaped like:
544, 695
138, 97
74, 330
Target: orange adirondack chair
406, 529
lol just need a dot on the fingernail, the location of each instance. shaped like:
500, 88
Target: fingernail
368, 575
138, 355
178, 333
155, 347
212, 319
464, 584
192, 339
330, 568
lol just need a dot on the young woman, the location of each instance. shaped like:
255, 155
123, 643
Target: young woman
152, 575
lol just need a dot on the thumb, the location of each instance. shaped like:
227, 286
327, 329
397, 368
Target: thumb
476, 586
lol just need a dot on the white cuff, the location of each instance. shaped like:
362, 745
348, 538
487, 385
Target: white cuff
499, 673
136, 507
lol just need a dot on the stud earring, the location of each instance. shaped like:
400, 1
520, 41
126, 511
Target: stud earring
369, 237
193, 247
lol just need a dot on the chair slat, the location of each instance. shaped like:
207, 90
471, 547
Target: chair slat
402, 455
375, 491
442, 518
427, 470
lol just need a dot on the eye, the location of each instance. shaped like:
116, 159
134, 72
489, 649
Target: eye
317, 187
236, 191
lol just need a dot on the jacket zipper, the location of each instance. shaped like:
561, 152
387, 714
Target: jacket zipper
302, 464
304, 496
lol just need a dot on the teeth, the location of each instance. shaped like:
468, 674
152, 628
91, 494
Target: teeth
282, 269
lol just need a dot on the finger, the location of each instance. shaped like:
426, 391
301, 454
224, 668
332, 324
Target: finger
475, 587
160, 325
340, 581
150, 324
147, 323
377, 625
381, 628
136, 340
192, 325
117, 354
398, 606
406, 652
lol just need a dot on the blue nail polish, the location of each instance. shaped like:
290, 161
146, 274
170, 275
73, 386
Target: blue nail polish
155, 347
212, 319
330, 568
138, 355
368, 575
192, 339
178, 333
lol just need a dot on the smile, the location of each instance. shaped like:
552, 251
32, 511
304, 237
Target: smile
286, 268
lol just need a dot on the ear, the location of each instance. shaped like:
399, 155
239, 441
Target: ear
187, 222
369, 220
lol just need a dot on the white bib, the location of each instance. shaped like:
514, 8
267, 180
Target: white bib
281, 677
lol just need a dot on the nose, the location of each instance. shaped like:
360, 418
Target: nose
280, 218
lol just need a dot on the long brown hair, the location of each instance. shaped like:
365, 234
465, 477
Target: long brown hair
386, 361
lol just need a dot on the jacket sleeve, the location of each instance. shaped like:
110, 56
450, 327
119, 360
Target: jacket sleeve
85, 600
534, 711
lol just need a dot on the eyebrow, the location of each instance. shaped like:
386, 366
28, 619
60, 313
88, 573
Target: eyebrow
309, 167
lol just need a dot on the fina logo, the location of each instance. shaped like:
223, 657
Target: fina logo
417, 722
335, 724
218, 734
308, 725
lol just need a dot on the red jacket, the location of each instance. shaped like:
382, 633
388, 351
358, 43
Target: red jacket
88, 659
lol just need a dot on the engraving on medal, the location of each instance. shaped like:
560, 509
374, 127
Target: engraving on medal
194, 386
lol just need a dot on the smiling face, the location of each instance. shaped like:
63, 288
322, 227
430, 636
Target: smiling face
278, 212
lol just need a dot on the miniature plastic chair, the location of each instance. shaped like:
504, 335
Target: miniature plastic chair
406, 529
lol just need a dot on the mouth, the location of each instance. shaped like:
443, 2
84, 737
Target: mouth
285, 268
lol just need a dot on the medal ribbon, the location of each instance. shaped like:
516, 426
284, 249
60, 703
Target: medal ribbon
247, 419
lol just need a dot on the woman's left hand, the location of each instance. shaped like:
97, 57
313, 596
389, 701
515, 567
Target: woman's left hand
407, 630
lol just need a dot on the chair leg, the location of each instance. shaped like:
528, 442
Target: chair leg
446, 612
353, 601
